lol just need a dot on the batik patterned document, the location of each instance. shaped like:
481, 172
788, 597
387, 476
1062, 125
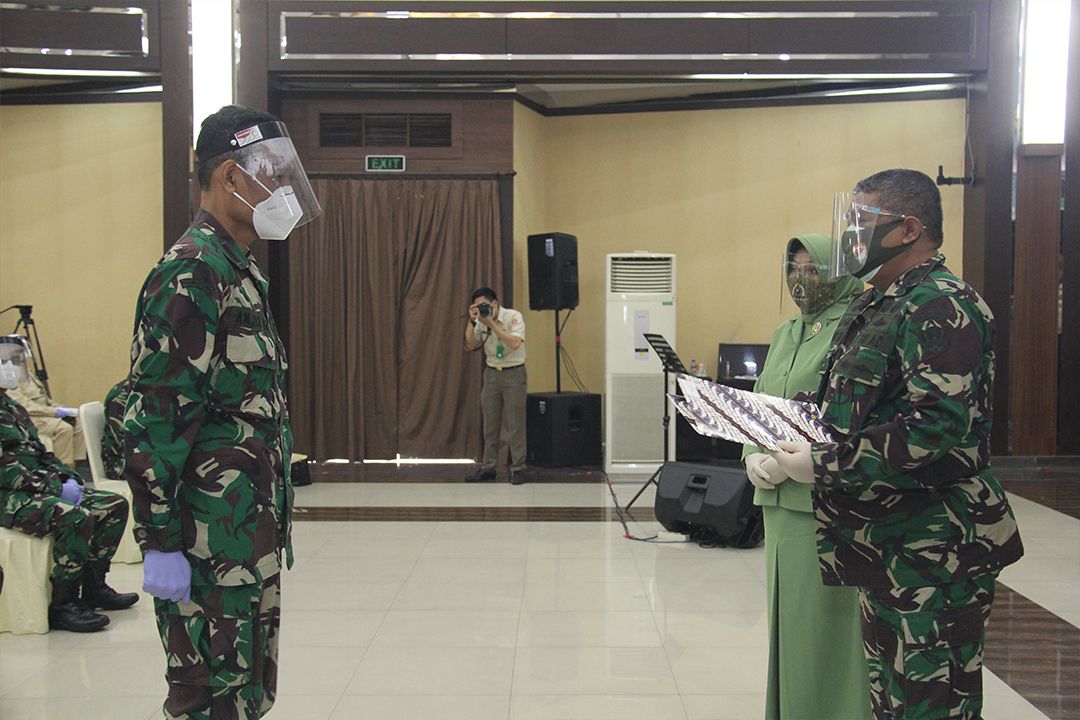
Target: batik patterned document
747, 417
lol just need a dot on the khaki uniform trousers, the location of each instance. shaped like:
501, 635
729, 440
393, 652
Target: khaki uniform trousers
503, 396
67, 442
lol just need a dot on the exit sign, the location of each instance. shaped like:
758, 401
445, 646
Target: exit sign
384, 163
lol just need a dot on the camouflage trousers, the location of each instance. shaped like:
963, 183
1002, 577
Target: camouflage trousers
87, 532
221, 650
924, 648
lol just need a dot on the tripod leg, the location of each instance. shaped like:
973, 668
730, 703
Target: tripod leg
650, 481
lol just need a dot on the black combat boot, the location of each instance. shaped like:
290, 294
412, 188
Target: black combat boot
96, 594
68, 612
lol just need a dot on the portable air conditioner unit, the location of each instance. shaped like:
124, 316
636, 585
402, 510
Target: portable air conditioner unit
640, 299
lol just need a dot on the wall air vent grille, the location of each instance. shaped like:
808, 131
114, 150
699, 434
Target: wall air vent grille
633, 274
382, 130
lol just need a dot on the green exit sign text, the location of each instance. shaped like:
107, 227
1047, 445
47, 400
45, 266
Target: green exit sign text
385, 163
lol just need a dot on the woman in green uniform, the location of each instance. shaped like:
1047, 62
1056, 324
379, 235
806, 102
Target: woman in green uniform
817, 670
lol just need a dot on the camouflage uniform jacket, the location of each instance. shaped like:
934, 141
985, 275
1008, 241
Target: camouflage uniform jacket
112, 439
206, 430
28, 471
905, 496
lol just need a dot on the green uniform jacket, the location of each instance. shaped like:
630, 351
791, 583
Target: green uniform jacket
28, 472
905, 496
206, 429
796, 363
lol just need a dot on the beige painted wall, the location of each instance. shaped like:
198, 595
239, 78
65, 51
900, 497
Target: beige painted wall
723, 189
80, 226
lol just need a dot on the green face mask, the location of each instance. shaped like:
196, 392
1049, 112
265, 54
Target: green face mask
811, 294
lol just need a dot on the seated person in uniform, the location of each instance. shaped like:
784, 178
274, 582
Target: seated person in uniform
112, 440
59, 423
41, 496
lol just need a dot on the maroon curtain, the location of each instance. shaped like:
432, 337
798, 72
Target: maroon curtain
377, 297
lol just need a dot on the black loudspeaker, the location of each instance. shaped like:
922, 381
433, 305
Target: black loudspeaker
553, 276
709, 501
563, 429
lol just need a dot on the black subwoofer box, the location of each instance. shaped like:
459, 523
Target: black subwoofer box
709, 500
563, 429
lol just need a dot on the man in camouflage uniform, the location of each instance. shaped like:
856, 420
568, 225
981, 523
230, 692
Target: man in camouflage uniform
907, 507
41, 496
206, 432
112, 439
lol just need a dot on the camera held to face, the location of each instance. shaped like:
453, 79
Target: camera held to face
484, 309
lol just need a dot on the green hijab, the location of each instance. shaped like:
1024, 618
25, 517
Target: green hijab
796, 358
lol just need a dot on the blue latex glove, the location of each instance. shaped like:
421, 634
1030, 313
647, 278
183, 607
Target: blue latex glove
66, 412
167, 575
71, 491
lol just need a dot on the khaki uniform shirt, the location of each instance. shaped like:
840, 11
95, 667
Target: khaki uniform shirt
496, 353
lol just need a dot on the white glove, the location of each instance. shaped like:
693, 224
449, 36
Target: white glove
758, 475
794, 458
776, 473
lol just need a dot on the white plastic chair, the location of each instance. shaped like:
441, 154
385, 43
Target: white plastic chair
93, 422
24, 601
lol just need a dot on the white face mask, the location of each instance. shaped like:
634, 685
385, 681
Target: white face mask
276, 216
10, 375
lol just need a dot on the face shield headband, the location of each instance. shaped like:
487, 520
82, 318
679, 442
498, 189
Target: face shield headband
858, 230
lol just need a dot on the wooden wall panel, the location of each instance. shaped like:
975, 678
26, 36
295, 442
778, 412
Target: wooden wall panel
100, 35
482, 135
1035, 300
1069, 387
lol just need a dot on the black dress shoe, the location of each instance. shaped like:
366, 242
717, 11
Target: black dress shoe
517, 477
481, 475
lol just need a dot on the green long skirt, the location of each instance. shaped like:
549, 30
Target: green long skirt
817, 668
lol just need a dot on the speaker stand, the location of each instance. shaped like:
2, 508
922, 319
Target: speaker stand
558, 354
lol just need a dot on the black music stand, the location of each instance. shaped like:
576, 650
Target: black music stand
672, 364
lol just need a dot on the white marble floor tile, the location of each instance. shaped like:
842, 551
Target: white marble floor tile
592, 671
494, 531
102, 672
423, 595
596, 707
331, 571
476, 547
133, 707
684, 629
388, 670
425, 707
587, 629
305, 707
720, 568
578, 570
586, 596
719, 670
448, 628
316, 670
329, 628
345, 595
735, 706
591, 547
739, 596
468, 570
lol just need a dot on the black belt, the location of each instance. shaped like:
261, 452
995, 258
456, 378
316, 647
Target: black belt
500, 369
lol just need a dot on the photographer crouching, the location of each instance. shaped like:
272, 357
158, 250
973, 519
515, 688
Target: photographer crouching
501, 332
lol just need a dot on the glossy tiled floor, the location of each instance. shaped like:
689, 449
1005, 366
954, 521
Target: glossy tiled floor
511, 620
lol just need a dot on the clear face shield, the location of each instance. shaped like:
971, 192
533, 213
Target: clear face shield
14, 360
265, 153
858, 229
